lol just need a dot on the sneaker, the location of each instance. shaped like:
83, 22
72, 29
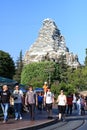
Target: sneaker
16, 119
59, 119
4, 121
20, 118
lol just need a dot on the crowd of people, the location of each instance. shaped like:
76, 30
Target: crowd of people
41, 100
71, 102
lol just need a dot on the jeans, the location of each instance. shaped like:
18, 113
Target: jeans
69, 109
79, 109
18, 110
5, 107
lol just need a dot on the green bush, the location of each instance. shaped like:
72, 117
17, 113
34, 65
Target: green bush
37, 73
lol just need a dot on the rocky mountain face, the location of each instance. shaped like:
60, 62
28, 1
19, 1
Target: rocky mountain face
50, 45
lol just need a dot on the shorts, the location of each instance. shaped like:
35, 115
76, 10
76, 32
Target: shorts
62, 109
49, 106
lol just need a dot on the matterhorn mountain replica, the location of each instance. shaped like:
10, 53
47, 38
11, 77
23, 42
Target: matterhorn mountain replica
50, 45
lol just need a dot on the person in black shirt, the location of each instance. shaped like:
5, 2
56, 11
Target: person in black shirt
5, 101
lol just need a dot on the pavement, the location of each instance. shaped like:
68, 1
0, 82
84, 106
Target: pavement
72, 122
42, 122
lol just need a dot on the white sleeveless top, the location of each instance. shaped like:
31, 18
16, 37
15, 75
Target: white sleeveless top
62, 100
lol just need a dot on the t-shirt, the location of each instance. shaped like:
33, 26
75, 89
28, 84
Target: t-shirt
5, 96
40, 99
69, 100
49, 97
30, 97
17, 96
74, 99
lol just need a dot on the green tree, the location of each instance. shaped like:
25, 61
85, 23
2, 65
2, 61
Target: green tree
84, 77
63, 67
7, 66
77, 77
37, 73
19, 67
86, 58
60, 75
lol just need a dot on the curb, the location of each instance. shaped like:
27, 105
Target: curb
39, 126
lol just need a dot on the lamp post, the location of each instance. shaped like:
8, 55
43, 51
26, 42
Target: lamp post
49, 71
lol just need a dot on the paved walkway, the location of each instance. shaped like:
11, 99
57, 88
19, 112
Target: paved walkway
41, 121
40, 118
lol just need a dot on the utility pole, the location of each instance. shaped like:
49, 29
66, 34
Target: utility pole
49, 71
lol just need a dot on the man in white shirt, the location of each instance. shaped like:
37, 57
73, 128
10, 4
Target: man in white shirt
49, 100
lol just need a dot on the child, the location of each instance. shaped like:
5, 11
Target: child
40, 101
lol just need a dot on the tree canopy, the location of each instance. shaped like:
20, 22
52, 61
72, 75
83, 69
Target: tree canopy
37, 73
7, 66
18, 68
59, 75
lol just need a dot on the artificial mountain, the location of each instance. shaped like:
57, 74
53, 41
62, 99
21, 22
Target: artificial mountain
50, 45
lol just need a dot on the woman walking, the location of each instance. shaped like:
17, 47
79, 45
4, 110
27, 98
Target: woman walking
62, 100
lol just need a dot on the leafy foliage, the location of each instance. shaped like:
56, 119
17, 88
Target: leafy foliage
7, 67
86, 58
18, 70
59, 75
37, 73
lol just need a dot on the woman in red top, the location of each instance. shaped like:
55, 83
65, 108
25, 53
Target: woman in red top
69, 104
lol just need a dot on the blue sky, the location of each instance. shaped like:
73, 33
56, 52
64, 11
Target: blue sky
21, 20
